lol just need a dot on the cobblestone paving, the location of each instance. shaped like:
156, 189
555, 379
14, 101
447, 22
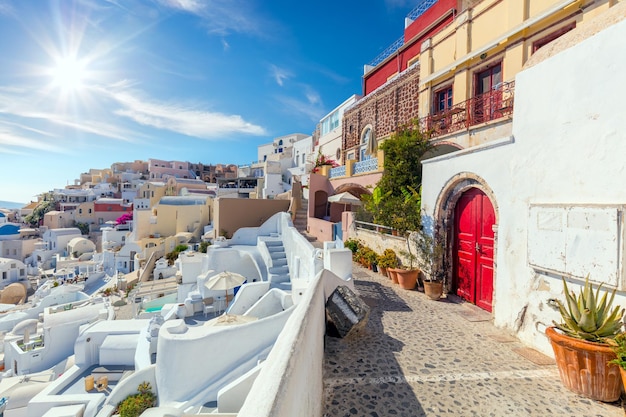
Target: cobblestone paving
418, 357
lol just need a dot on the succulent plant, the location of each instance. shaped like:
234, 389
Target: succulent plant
587, 316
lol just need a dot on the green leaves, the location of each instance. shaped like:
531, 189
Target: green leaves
587, 318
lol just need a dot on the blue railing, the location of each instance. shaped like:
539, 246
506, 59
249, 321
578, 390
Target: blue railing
413, 14
339, 171
420, 9
368, 165
387, 52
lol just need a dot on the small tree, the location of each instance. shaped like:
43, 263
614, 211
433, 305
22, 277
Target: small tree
173, 255
83, 227
395, 202
203, 247
45, 205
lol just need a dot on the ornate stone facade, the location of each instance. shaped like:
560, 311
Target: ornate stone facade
393, 104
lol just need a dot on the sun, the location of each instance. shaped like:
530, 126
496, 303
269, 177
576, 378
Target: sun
68, 74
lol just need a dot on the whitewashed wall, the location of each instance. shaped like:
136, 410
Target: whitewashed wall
568, 148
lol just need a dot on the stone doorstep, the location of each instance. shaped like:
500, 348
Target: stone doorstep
534, 356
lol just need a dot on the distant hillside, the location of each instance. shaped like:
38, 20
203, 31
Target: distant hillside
11, 204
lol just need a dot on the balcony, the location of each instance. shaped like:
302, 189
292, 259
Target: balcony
353, 168
479, 109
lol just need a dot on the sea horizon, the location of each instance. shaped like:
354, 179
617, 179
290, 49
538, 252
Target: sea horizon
11, 204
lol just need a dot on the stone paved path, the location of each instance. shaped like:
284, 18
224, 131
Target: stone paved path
418, 357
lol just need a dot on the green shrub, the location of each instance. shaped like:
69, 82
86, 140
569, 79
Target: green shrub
135, 404
352, 244
388, 259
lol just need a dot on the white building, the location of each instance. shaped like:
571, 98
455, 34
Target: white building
329, 132
11, 270
551, 193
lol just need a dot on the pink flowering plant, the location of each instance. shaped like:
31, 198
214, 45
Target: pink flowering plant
322, 160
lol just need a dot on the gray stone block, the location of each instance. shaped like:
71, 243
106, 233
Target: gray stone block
346, 311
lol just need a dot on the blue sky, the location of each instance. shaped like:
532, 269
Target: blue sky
86, 83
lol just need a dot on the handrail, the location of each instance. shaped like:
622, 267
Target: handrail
492, 105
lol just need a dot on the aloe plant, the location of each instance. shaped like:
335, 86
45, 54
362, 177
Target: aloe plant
588, 316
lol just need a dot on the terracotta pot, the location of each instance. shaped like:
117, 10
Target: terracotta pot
433, 289
584, 367
407, 278
622, 372
393, 274
382, 270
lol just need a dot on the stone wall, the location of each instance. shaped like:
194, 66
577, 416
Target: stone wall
388, 107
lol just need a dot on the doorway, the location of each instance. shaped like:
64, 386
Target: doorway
474, 248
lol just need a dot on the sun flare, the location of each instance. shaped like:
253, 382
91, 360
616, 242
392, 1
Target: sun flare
68, 74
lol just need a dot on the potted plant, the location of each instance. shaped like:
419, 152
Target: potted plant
407, 274
388, 259
619, 348
580, 343
432, 262
353, 245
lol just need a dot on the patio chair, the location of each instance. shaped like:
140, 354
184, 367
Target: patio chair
209, 307
103, 383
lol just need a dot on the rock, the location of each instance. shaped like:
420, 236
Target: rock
346, 311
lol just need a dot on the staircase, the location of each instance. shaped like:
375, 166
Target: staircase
300, 223
278, 272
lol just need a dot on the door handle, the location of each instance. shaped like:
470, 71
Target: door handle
477, 247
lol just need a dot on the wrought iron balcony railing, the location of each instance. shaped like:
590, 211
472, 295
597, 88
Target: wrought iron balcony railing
422, 6
420, 9
482, 108
388, 52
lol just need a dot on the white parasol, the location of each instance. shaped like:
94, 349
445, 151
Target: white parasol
344, 198
225, 281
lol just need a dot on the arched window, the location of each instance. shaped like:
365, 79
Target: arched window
367, 140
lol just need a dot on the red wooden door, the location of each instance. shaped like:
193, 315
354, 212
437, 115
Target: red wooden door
474, 220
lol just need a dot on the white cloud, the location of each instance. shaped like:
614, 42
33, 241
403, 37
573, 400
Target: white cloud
184, 119
190, 6
6, 9
223, 16
225, 45
280, 74
13, 142
310, 107
312, 96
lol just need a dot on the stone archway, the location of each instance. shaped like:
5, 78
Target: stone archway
355, 189
454, 194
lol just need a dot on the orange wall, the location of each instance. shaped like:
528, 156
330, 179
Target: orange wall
234, 213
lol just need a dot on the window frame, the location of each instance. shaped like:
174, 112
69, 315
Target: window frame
541, 42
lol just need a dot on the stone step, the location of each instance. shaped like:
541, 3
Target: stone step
273, 243
279, 278
279, 270
278, 255
279, 262
276, 248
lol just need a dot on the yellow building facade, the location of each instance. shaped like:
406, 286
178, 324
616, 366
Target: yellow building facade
467, 71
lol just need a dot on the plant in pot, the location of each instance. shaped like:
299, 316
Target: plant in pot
387, 260
581, 343
619, 348
353, 245
432, 262
364, 256
407, 274
371, 258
